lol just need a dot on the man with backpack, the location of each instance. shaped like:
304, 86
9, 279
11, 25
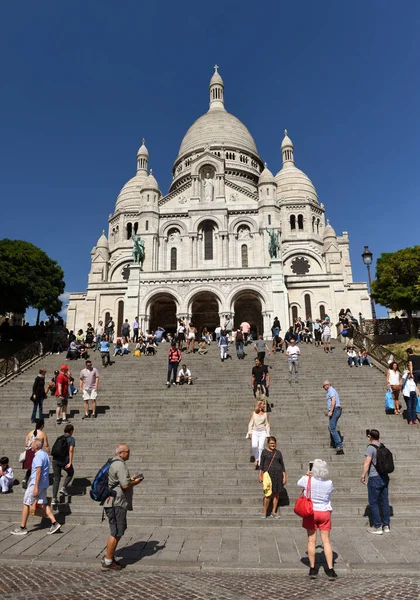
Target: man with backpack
174, 358
117, 505
377, 466
62, 454
125, 330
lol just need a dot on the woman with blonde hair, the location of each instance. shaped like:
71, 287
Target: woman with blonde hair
317, 486
258, 430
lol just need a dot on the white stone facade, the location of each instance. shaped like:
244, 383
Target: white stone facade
206, 241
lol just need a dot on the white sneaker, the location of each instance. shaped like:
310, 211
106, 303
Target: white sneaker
19, 531
375, 530
386, 529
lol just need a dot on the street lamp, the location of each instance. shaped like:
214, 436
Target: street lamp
367, 259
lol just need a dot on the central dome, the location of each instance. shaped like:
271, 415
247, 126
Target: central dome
217, 127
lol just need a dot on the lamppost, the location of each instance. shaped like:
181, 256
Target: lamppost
367, 259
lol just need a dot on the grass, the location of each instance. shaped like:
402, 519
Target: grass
399, 349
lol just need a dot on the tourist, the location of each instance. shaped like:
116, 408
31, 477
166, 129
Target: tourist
393, 383
39, 433
89, 383
80, 338
38, 395
239, 344
150, 343
224, 345
191, 338
98, 335
62, 454
414, 364
205, 335
104, 349
245, 327
377, 486
37, 490
159, 335
306, 335
409, 390
116, 507
6, 476
334, 413
317, 332
90, 334
321, 488
272, 463
202, 350
348, 334
260, 347
258, 430
72, 387
73, 351
62, 393
118, 347
364, 358
290, 335
275, 329
352, 357
141, 345
278, 344
125, 347
180, 334
135, 329
293, 353
218, 333
184, 376
260, 376
174, 358
310, 324
125, 329
326, 335
109, 329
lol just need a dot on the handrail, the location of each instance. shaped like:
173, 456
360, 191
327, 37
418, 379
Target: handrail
379, 353
14, 364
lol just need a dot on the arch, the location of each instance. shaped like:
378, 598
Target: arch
129, 230
300, 222
243, 220
322, 312
292, 222
308, 253
162, 310
244, 255
208, 230
106, 317
217, 223
166, 290
116, 268
205, 308
173, 259
247, 306
308, 306
295, 314
166, 227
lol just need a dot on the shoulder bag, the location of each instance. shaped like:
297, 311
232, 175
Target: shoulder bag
267, 483
303, 505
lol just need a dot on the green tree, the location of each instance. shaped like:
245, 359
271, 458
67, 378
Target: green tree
397, 283
28, 277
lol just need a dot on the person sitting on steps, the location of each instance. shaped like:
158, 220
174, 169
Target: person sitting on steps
184, 376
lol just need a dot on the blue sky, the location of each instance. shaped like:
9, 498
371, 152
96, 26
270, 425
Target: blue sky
83, 82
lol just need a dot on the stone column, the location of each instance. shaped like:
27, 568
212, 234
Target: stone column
280, 295
267, 319
132, 295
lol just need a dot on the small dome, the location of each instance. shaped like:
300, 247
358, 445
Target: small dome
266, 176
293, 183
329, 231
287, 142
102, 242
216, 77
129, 196
143, 151
150, 183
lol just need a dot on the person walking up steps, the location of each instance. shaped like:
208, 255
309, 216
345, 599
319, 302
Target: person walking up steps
377, 469
89, 383
62, 394
62, 454
334, 413
38, 395
174, 358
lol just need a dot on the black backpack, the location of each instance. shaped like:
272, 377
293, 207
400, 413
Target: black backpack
60, 449
384, 459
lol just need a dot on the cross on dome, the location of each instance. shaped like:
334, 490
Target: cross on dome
216, 67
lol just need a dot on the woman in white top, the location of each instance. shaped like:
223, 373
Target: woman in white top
320, 493
393, 383
258, 430
191, 338
409, 391
125, 347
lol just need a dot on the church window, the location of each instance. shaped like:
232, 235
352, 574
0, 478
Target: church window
129, 230
147, 226
308, 308
300, 265
300, 221
136, 227
292, 222
268, 191
173, 259
148, 197
313, 224
269, 219
208, 232
317, 226
322, 313
244, 255
294, 313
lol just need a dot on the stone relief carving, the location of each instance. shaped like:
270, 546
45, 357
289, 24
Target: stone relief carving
182, 199
174, 236
244, 234
234, 197
208, 188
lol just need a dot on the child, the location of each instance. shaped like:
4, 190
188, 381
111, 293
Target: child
6, 476
352, 357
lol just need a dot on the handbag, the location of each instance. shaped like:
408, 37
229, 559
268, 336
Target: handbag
38, 511
344, 333
22, 456
267, 483
303, 505
389, 400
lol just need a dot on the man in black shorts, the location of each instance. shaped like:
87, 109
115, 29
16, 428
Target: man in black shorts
116, 508
260, 375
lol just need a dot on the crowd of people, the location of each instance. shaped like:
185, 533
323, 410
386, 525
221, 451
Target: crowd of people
39, 455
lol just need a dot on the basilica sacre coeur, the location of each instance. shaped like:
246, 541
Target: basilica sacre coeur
207, 240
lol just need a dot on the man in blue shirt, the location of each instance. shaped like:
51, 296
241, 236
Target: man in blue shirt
104, 349
334, 413
37, 490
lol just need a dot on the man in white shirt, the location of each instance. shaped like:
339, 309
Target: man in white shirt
217, 333
326, 336
184, 376
293, 353
99, 333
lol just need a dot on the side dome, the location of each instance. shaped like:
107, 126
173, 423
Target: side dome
217, 127
150, 183
266, 176
102, 242
129, 195
329, 231
293, 183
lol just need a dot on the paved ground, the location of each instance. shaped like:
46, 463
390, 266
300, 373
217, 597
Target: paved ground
43, 583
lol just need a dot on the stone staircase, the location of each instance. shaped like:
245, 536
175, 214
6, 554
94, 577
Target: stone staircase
189, 441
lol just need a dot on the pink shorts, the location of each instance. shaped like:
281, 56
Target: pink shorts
321, 519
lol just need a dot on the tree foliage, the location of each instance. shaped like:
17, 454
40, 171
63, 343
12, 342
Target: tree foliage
28, 277
397, 284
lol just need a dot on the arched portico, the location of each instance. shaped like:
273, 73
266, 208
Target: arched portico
247, 306
162, 312
204, 308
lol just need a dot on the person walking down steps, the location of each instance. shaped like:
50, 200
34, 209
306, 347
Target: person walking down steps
334, 413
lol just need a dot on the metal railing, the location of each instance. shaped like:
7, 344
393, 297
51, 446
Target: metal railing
12, 365
382, 355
